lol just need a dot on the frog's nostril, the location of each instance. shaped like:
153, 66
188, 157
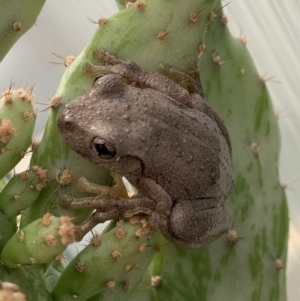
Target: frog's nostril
64, 120
68, 124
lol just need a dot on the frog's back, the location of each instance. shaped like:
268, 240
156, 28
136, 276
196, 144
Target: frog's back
187, 153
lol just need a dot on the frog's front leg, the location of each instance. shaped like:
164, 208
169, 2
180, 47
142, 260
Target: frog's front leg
108, 209
125, 206
96, 218
118, 190
154, 201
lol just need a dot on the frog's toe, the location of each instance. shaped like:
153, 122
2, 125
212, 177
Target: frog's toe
164, 207
66, 201
92, 70
104, 55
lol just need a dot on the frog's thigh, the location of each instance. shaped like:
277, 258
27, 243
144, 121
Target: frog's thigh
190, 222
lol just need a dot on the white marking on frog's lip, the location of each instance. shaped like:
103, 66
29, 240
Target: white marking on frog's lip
93, 128
117, 159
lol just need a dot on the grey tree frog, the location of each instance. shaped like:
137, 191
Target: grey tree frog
156, 129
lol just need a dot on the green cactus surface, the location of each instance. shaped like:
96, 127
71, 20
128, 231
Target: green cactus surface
54, 270
121, 256
17, 17
30, 280
2, 184
22, 190
17, 120
41, 241
6, 230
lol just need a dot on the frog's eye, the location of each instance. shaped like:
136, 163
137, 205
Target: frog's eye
97, 77
103, 148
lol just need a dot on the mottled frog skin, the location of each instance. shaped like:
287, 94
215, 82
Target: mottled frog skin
160, 134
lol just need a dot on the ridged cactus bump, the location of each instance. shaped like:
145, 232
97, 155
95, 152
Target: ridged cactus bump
242, 265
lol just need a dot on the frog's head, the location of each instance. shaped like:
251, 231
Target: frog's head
98, 125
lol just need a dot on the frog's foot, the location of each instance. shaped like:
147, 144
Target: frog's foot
118, 190
129, 71
189, 81
100, 217
132, 74
112, 209
125, 68
104, 55
120, 207
90, 69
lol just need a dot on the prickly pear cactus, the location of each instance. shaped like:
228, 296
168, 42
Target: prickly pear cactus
42, 241
115, 266
17, 120
248, 256
120, 255
17, 17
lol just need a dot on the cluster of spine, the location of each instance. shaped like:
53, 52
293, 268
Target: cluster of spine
116, 265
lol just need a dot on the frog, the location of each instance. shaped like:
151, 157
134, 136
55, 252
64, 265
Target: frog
156, 130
